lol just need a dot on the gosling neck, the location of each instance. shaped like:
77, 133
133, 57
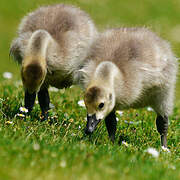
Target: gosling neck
34, 65
106, 74
38, 43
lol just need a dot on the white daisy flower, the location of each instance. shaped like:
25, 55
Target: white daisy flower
81, 103
120, 112
36, 147
153, 152
53, 89
62, 164
125, 143
7, 75
129, 122
23, 109
9, 122
20, 115
150, 109
165, 149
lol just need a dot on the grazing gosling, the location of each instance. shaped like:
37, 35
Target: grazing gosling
52, 43
129, 68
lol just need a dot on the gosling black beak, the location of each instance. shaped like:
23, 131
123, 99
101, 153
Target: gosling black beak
92, 122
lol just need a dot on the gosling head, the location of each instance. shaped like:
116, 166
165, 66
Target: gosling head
33, 74
99, 103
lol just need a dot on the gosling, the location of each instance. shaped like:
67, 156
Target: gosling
52, 43
129, 68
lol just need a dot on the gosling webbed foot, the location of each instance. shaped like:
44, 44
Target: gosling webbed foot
44, 116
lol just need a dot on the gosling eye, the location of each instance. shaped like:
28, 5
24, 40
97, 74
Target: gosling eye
101, 105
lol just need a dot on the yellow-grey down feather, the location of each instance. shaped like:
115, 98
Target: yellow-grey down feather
136, 66
62, 34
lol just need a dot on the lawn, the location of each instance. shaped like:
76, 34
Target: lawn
30, 149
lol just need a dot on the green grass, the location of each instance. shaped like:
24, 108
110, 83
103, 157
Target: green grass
30, 149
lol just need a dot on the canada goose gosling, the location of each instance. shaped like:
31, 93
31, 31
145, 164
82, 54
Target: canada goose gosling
129, 68
52, 44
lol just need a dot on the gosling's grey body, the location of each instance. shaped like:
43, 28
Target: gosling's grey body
52, 43
137, 67
72, 33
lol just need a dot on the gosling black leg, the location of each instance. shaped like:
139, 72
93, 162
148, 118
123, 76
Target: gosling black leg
162, 127
111, 123
29, 100
44, 100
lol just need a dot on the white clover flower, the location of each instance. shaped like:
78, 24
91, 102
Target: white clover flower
120, 112
81, 103
165, 149
7, 75
125, 143
153, 152
62, 164
150, 109
53, 89
23, 109
20, 115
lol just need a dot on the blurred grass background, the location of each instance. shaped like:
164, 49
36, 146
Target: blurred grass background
63, 142
162, 16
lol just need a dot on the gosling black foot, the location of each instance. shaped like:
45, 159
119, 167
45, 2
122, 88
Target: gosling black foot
162, 127
111, 124
44, 116
44, 100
